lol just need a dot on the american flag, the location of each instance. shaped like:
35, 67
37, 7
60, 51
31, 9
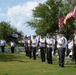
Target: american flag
60, 23
74, 10
70, 14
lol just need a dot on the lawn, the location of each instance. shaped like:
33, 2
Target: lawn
19, 64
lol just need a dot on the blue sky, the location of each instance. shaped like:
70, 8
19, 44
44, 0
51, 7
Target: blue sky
18, 12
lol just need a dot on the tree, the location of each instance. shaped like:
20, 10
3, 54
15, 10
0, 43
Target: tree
46, 17
6, 29
68, 6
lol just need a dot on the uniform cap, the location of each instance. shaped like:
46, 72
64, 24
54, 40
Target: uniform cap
25, 36
34, 35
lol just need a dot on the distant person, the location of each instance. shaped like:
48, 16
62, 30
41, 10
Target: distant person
70, 48
34, 46
12, 44
70, 45
42, 43
29, 47
61, 45
49, 48
74, 46
2, 42
26, 45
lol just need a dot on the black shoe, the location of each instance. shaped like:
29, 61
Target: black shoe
62, 65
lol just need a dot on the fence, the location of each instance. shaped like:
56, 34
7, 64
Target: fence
17, 49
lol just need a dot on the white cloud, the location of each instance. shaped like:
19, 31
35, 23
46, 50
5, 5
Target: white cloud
1, 14
20, 14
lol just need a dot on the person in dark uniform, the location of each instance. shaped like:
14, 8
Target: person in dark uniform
49, 48
42, 42
29, 47
74, 46
2, 42
61, 45
26, 45
34, 45
12, 44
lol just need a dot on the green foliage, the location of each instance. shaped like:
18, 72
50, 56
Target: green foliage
45, 17
6, 29
68, 6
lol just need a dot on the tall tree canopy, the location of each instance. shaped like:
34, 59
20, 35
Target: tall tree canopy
6, 29
68, 6
45, 16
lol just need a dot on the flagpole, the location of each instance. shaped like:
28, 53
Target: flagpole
75, 21
59, 14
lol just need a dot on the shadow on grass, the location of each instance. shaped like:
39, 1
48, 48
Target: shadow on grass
6, 57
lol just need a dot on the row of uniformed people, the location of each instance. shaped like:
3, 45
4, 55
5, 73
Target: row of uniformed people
62, 45
3, 42
48, 43
42, 42
72, 47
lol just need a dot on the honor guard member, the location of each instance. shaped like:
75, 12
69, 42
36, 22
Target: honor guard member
34, 45
74, 46
70, 48
29, 47
3, 42
12, 44
26, 45
49, 48
61, 45
70, 45
42, 47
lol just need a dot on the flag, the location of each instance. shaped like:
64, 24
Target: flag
60, 23
70, 14
74, 10
15, 35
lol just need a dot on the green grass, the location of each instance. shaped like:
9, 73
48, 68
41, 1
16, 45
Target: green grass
19, 64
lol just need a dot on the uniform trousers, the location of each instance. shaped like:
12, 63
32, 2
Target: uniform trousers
27, 51
42, 52
12, 49
34, 52
2, 48
74, 53
49, 55
30, 52
61, 52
